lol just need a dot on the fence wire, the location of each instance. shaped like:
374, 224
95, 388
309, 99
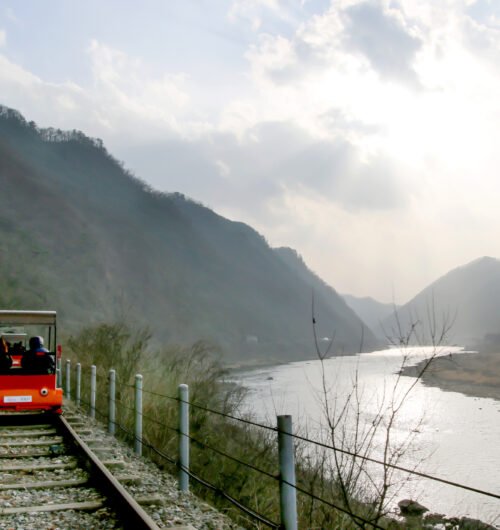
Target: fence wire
340, 450
261, 518
247, 510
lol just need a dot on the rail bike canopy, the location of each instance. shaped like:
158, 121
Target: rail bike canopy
11, 336
14, 325
25, 318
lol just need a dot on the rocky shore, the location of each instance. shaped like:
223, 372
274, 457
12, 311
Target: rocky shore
413, 514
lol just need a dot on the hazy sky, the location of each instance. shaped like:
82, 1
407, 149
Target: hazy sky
365, 134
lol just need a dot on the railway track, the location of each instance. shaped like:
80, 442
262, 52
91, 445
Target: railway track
54, 470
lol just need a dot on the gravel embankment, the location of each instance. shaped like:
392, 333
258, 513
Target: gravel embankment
172, 508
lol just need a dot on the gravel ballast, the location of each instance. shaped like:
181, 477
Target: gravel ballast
157, 491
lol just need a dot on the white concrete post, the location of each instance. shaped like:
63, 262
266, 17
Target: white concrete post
93, 390
58, 373
112, 402
288, 493
183, 394
138, 415
68, 379
78, 384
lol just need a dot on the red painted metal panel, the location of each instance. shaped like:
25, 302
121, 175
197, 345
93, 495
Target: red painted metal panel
29, 392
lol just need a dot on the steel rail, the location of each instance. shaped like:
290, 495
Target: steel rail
132, 516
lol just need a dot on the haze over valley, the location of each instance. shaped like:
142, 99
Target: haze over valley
291, 207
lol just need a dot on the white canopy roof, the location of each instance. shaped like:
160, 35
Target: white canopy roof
13, 318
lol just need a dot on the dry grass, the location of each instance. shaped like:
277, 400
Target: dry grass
475, 374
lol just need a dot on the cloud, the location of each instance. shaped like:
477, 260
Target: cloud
383, 39
328, 143
48, 103
127, 86
223, 168
339, 121
125, 98
485, 12
252, 11
10, 15
271, 160
349, 35
281, 60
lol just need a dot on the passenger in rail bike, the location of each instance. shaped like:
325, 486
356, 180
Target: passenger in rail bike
37, 357
17, 349
5, 358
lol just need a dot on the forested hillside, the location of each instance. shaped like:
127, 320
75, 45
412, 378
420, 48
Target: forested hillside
80, 234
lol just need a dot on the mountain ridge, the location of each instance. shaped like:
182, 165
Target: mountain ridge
82, 233
371, 311
465, 298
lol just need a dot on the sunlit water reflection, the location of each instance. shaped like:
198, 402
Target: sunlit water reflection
455, 436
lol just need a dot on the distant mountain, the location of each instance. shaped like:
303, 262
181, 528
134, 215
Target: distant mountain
80, 234
468, 297
371, 312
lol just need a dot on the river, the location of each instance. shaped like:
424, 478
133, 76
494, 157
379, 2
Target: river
453, 436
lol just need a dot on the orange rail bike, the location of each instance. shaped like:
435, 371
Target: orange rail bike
28, 379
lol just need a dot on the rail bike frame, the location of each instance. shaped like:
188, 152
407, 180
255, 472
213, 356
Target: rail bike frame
23, 390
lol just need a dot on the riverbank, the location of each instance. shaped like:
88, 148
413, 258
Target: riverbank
472, 374
454, 429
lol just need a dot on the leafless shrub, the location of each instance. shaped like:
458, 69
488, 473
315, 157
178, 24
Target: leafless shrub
354, 479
